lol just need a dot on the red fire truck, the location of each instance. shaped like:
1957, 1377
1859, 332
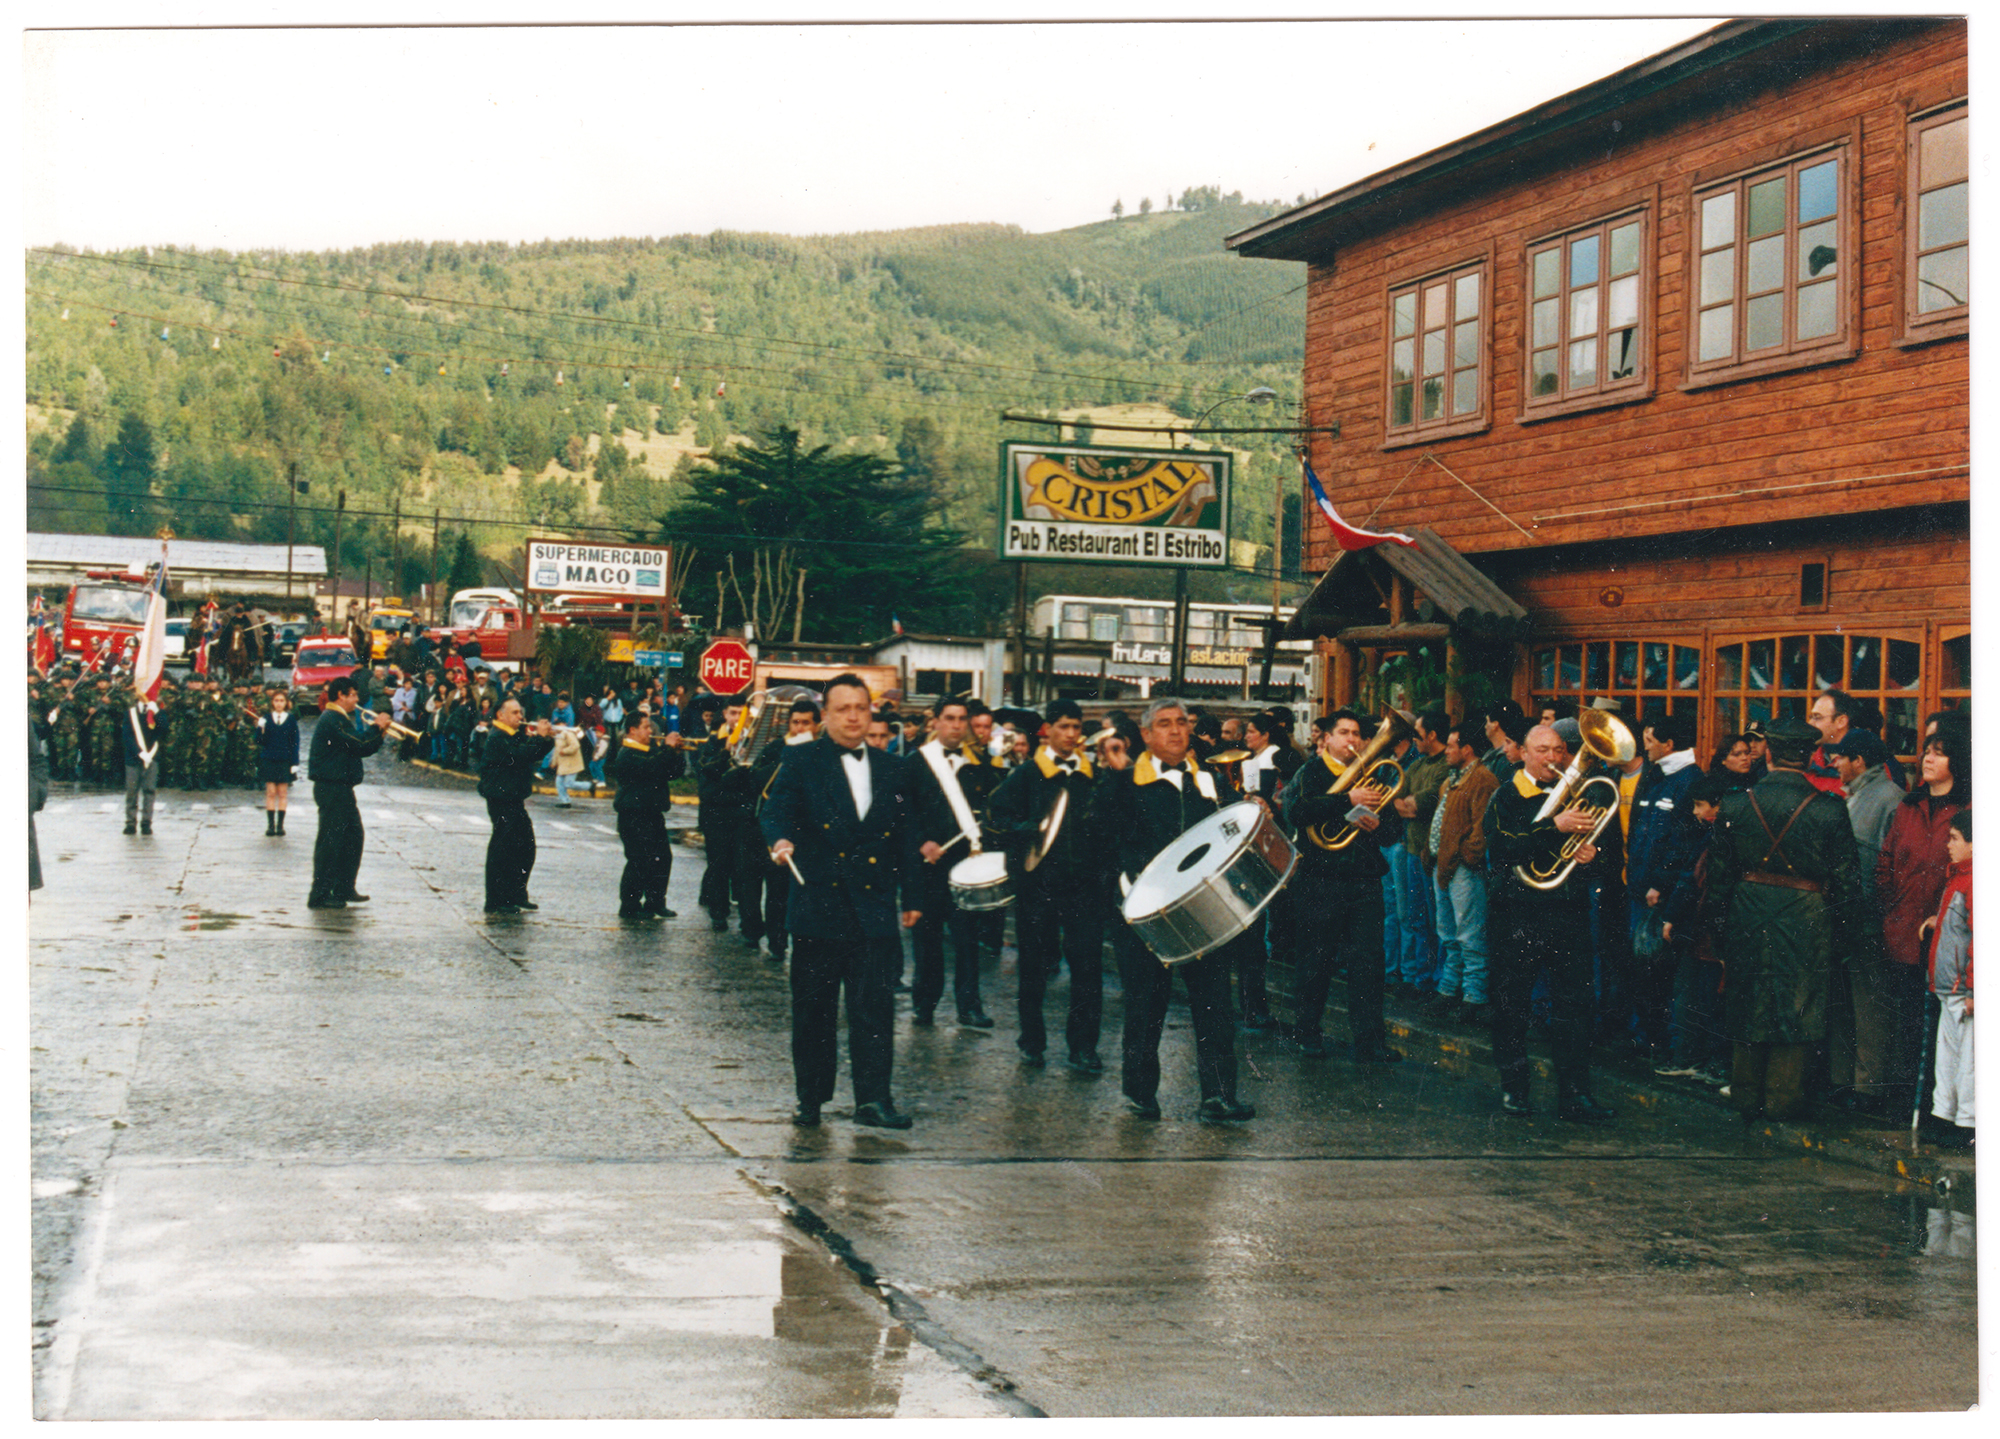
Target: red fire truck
105, 605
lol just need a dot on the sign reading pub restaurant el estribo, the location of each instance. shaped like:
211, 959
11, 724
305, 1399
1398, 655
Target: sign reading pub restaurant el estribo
1085, 504
557, 566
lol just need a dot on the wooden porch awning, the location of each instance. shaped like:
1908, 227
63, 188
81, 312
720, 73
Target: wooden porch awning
1355, 592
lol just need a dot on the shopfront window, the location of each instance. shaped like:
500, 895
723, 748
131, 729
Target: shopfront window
1647, 677
1780, 676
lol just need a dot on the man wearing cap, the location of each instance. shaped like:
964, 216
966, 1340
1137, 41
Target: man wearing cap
1857, 1011
1781, 869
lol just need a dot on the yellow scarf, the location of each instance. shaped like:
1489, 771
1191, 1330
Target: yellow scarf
1045, 761
1147, 770
642, 748
504, 729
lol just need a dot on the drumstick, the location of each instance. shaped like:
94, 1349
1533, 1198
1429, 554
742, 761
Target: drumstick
792, 867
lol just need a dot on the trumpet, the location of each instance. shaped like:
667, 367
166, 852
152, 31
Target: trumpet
1385, 775
1606, 740
400, 731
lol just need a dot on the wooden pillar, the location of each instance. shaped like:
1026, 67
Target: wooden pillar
1454, 701
1342, 686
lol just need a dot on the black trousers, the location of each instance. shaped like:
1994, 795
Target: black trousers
1056, 921
723, 839
820, 969
1337, 920
649, 860
762, 889
1527, 939
337, 846
1148, 984
510, 853
927, 939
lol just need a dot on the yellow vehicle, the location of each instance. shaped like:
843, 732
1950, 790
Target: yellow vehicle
387, 623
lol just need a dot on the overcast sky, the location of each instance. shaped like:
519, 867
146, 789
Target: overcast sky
316, 139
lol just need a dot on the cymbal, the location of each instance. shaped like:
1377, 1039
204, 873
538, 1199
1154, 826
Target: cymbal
1229, 756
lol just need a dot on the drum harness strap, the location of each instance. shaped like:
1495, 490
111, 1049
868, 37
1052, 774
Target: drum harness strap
954, 796
1759, 873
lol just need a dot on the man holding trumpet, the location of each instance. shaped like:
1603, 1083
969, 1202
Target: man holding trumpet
334, 767
514, 749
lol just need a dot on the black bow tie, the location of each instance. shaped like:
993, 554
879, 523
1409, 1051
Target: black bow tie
858, 755
1067, 764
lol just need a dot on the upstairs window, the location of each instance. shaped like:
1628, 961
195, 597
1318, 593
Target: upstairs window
1585, 293
1437, 355
1772, 264
1936, 299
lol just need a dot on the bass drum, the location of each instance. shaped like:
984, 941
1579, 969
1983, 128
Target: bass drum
1207, 887
980, 882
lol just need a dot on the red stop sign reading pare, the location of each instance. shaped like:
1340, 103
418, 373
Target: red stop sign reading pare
726, 668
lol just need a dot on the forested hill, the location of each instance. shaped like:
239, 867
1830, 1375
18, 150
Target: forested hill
563, 383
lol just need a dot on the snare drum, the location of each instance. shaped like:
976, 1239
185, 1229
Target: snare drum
980, 882
1207, 887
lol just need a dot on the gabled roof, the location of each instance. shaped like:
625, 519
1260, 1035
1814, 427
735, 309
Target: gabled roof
1464, 597
1308, 231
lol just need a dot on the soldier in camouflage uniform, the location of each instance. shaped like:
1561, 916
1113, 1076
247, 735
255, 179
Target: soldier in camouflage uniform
103, 752
205, 737
172, 725
239, 769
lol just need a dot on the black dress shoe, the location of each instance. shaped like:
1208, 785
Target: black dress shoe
923, 1019
1217, 1110
1377, 1054
131, 829
975, 1019
326, 904
881, 1116
1143, 1108
1582, 1109
146, 827
1259, 1023
718, 926
1033, 1058
352, 898
631, 912
1314, 1047
1512, 1103
806, 1116
1086, 1061
503, 909
525, 903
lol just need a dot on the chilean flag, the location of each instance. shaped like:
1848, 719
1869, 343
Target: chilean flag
1350, 538
149, 664
42, 641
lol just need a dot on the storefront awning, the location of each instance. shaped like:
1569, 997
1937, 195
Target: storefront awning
1349, 594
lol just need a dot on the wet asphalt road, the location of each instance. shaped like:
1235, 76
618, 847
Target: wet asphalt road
403, 1161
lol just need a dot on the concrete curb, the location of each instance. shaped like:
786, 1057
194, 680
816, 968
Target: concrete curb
1468, 1052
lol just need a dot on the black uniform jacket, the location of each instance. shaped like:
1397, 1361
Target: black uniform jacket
643, 773
852, 867
338, 749
1137, 811
1014, 820
507, 765
935, 821
1514, 837
1307, 810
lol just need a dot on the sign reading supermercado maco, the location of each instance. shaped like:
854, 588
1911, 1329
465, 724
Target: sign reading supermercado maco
1085, 504
557, 566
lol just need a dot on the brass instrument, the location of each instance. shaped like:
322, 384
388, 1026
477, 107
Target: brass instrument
400, 731
1385, 775
763, 721
1606, 740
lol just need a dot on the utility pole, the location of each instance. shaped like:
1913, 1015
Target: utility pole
434, 564
1177, 678
291, 524
1020, 632
396, 548
339, 511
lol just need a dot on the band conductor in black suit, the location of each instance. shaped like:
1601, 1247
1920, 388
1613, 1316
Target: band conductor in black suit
839, 815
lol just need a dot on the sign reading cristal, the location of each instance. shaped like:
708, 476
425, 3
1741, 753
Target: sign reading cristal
1095, 504
556, 566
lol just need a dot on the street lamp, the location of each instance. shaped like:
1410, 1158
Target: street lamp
1262, 395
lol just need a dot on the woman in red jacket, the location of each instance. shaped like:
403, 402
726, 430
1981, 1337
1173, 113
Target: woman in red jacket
1909, 877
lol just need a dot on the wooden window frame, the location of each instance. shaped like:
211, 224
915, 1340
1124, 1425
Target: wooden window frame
1955, 321
1637, 696
1420, 431
1777, 694
1825, 563
1603, 393
1791, 353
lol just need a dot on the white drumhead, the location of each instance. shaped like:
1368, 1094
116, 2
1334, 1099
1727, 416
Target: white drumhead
1206, 849
978, 870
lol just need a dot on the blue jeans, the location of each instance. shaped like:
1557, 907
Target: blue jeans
1414, 925
1392, 927
1461, 931
563, 782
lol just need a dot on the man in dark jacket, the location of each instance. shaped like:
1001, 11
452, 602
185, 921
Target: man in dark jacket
334, 767
1059, 904
1534, 930
839, 813
645, 766
722, 814
1138, 811
948, 792
1341, 889
1660, 849
514, 748
1781, 867
140, 737
762, 888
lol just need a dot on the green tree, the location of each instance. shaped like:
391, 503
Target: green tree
129, 464
468, 570
866, 534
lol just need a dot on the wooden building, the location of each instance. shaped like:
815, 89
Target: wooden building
1678, 361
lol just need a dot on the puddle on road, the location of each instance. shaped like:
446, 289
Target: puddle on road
199, 919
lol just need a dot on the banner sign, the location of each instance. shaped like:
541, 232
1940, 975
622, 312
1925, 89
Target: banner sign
1092, 504
557, 566
657, 659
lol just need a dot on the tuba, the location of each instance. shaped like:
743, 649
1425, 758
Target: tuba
763, 721
1606, 740
1385, 775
